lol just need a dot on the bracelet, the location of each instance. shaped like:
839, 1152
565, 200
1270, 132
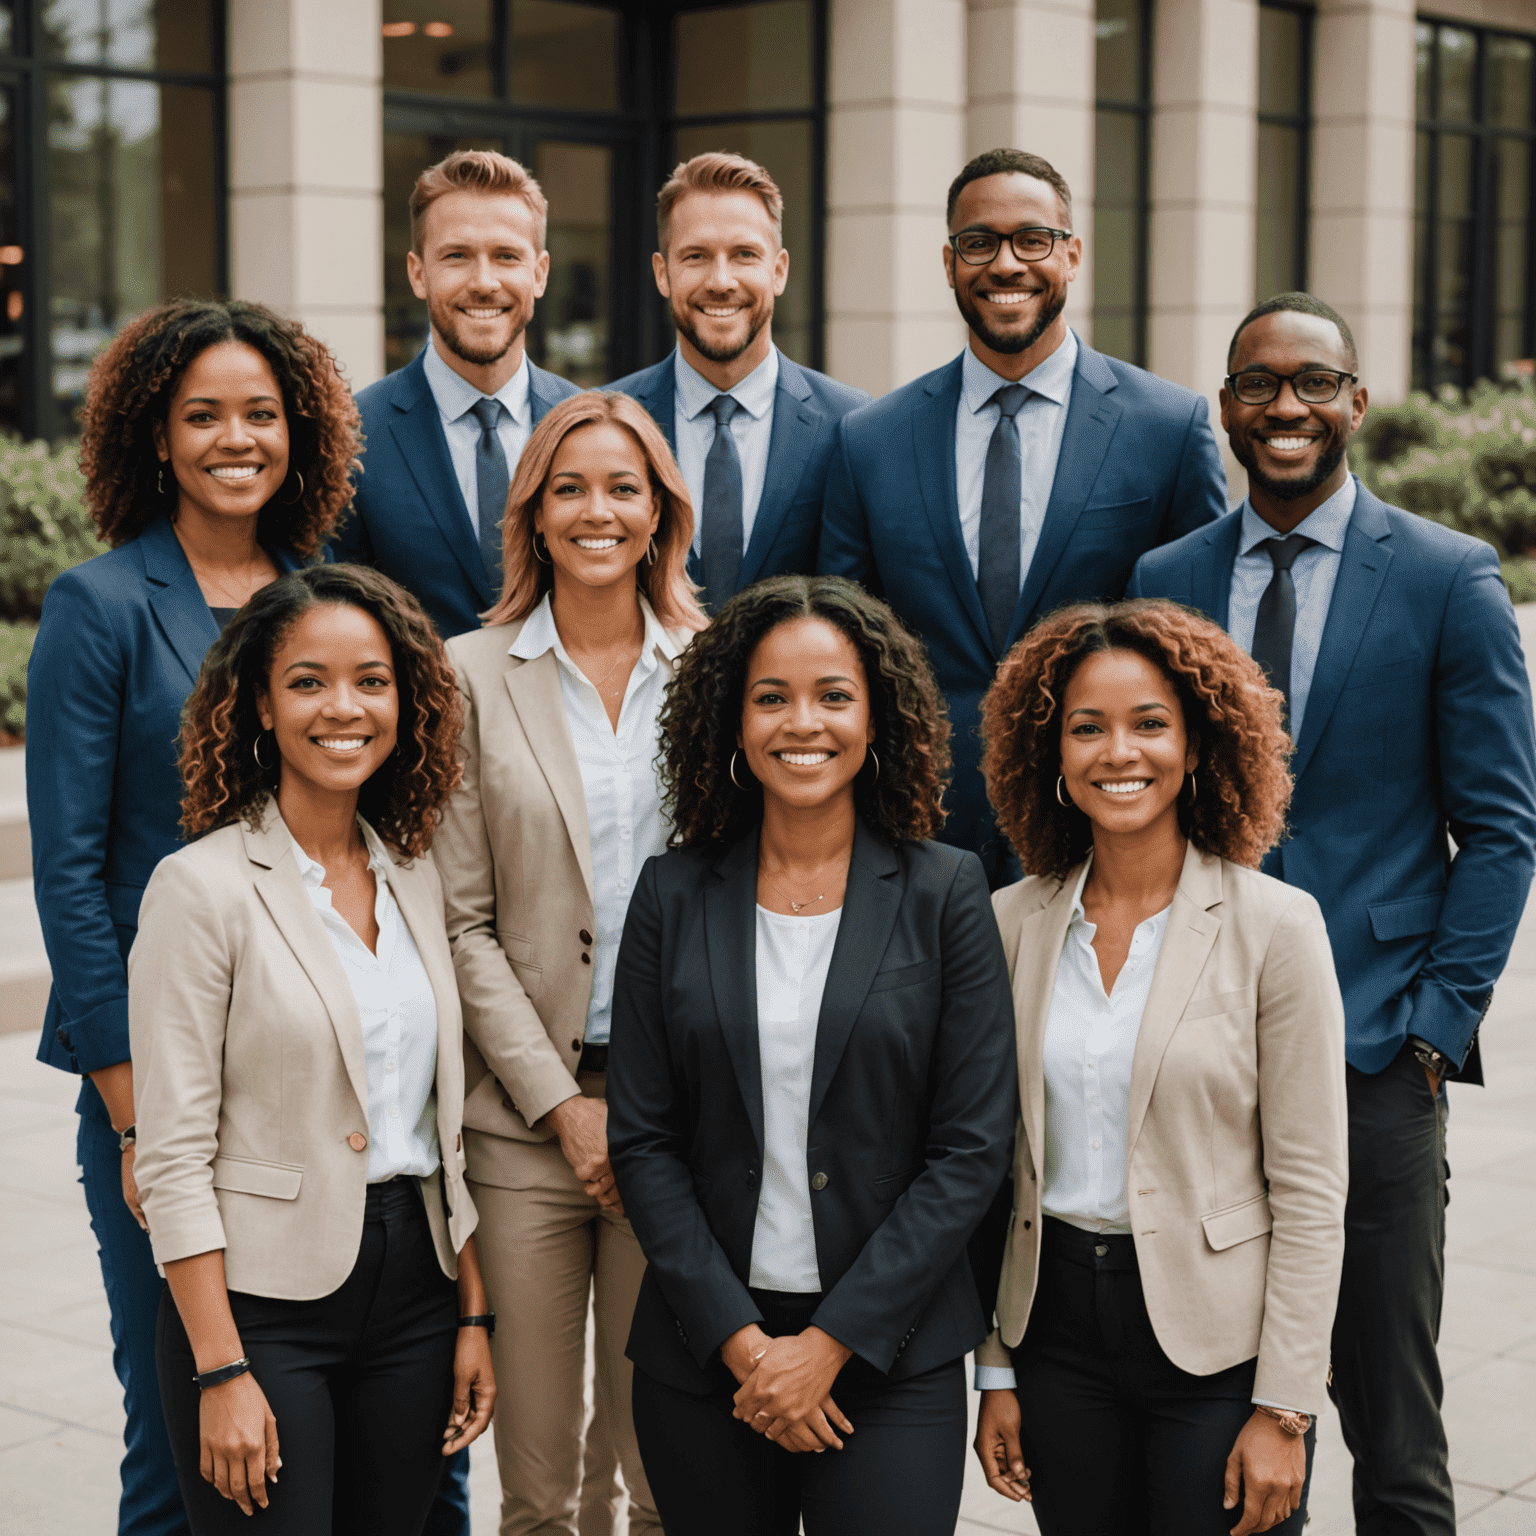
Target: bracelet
126, 1139
486, 1320
1294, 1424
217, 1378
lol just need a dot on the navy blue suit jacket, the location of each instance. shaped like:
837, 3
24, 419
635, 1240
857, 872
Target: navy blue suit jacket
408, 516
1138, 466
806, 410
120, 645
1418, 724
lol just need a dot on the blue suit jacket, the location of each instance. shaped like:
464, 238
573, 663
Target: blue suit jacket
1138, 466
1418, 724
408, 516
806, 411
120, 644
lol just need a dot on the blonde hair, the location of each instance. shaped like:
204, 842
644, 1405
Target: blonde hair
665, 581
717, 171
476, 170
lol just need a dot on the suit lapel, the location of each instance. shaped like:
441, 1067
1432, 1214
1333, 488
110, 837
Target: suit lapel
175, 598
796, 424
660, 399
422, 913
1210, 571
1041, 937
730, 943
542, 397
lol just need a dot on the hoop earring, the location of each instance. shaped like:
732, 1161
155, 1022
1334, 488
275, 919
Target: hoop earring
256, 753
1059, 799
734, 780
544, 558
160, 480
872, 753
651, 554
290, 501
1193, 787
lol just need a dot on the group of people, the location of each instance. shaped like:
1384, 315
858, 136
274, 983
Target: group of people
790, 889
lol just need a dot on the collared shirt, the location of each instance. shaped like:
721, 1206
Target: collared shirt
625, 819
794, 955
1313, 574
1041, 421
399, 1013
751, 427
456, 399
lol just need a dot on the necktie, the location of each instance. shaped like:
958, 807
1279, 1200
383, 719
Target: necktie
1002, 490
720, 522
491, 481
1275, 627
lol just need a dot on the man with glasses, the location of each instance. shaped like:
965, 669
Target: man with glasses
1394, 644
1029, 472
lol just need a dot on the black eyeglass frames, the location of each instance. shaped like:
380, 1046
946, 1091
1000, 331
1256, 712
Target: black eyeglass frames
977, 247
1313, 386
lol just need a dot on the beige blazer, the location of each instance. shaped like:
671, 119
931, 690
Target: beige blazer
249, 1080
1237, 1141
515, 854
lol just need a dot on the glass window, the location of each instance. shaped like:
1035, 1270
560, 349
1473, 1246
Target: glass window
1453, 252
1458, 75
441, 46
1511, 187
7, 26
1424, 76
565, 55
1122, 34
130, 34
1284, 141
749, 58
1120, 46
1282, 61
1510, 81
569, 334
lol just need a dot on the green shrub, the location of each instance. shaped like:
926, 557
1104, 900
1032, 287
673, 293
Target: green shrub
1520, 578
15, 648
44, 526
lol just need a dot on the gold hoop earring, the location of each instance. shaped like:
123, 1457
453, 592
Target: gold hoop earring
256, 753
544, 558
290, 501
1193, 787
651, 554
872, 753
1059, 799
734, 780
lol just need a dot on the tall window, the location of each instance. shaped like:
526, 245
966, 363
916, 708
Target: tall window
1474, 195
1284, 148
111, 184
1122, 141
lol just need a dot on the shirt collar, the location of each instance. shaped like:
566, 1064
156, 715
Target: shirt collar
1079, 919
754, 394
539, 635
313, 874
1328, 524
455, 395
1053, 378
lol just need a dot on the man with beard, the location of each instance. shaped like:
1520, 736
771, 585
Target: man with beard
1395, 645
752, 431
1030, 472
445, 432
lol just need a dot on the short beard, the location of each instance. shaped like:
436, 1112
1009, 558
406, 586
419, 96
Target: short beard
1293, 490
1007, 342
685, 328
480, 357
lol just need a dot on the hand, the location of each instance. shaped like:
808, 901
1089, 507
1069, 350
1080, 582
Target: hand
1434, 1080
582, 1126
997, 1446
788, 1396
1267, 1470
239, 1454
131, 1188
743, 1350
474, 1390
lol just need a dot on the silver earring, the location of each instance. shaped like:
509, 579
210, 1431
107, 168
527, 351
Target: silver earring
1059, 799
1193, 788
734, 780
871, 751
256, 753
160, 480
544, 558
298, 496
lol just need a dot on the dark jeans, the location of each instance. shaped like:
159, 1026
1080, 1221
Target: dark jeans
1386, 1374
360, 1383
150, 1504
898, 1474
1118, 1440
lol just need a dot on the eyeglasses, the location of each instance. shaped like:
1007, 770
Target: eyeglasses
977, 247
1316, 386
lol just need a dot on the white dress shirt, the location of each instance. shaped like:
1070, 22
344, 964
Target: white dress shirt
399, 1012
1313, 575
1041, 421
456, 399
618, 778
693, 424
793, 957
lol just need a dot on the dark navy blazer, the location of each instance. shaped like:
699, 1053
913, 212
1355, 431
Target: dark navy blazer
1138, 466
806, 410
120, 644
1418, 724
408, 515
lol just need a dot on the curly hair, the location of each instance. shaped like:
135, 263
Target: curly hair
702, 716
130, 390
220, 727
1231, 715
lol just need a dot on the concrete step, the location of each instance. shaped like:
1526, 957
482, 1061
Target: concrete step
15, 841
24, 973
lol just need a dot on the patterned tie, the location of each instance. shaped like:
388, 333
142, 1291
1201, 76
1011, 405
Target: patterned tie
1274, 629
1002, 491
720, 522
491, 482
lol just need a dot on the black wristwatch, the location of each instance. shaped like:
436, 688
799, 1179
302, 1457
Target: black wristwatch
1435, 1061
486, 1320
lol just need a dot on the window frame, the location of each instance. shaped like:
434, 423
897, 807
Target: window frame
1304, 124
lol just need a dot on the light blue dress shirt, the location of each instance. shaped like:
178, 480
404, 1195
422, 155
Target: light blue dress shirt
456, 399
693, 425
1041, 421
1313, 575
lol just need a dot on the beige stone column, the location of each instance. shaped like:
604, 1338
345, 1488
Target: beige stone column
1031, 87
896, 139
1361, 258
306, 166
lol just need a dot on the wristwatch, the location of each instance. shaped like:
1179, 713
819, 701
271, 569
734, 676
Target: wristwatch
125, 1139
1436, 1061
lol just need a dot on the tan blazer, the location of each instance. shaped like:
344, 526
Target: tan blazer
515, 854
1237, 1139
248, 1073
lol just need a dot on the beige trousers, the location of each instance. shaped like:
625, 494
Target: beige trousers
548, 1250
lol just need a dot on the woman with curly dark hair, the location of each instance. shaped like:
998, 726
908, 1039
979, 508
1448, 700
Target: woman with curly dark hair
216, 442
811, 1085
1174, 1254
299, 1079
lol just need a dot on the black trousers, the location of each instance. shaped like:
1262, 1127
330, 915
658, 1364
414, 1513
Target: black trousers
360, 1383
1386, 1373
1118, 1440
899, 1473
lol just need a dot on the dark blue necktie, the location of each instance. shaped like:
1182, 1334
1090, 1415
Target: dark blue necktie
721, 514
491, 482
1274, 627
1002, 492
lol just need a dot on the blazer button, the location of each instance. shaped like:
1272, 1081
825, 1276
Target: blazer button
357, 1141
751, 1178
1026, 1226
575, 1045
586, 959
819, 1181
585, 937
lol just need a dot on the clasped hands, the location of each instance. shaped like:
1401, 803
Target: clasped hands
786, 1386
582, 1127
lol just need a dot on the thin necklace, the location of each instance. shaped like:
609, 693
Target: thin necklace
796, 906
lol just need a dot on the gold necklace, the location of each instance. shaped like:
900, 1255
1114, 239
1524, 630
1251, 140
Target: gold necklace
795, 906
219, 587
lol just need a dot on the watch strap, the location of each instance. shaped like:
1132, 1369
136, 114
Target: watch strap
223, 1373
486, 1320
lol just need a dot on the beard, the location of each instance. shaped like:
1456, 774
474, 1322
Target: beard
1293, 487
756, 320
443, 322
1012, 342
